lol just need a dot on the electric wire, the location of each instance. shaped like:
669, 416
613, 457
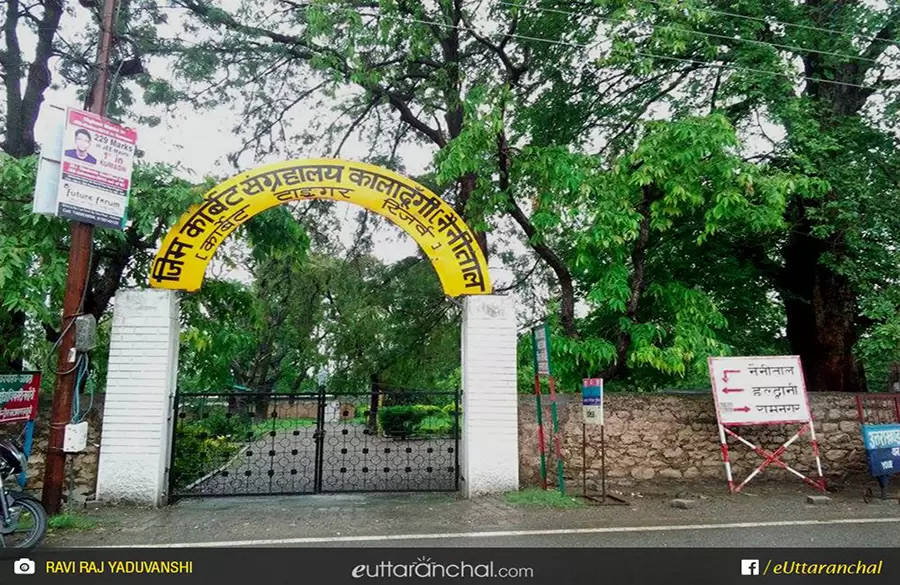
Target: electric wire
656, 56
777, 22
695, 32
646, 54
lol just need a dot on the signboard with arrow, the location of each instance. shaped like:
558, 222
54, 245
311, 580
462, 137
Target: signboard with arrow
759, 390
768, 390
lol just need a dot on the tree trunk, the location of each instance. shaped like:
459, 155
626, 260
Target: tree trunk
12, 338
466, 188
544, 252
821, 310
638, 282
821, 306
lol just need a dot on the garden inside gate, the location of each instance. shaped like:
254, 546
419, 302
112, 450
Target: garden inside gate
253, 443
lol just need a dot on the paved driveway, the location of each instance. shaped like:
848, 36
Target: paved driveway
284, 462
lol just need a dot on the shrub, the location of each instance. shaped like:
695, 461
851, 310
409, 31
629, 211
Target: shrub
435, 425
426, 409
199, 452
414, 420
398, 421
448, 409
362, 414
222, 425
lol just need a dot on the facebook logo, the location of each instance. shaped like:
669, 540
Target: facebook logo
749, 567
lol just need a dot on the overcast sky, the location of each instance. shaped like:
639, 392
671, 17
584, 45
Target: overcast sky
200, 141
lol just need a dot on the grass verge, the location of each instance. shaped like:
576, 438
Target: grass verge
539, 498
282, 424
70, 522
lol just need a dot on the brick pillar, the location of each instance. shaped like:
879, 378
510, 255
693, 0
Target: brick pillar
143, 367
489, 456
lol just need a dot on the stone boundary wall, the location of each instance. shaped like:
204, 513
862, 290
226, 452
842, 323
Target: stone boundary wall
670, 437
85, 462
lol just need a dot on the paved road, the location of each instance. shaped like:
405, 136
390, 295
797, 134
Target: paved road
352, 461
863, 535
446, 520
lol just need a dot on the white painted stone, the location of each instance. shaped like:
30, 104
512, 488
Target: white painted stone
489, 455
143, 366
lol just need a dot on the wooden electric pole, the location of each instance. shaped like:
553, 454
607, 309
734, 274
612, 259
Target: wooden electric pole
76, 283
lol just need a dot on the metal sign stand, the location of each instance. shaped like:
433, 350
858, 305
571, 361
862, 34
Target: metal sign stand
542, 446
557, 444
592, 392
760, 391
771, 458
540, 337
880, 415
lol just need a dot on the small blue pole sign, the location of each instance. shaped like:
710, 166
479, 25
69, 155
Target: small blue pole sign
592, 400
883, 447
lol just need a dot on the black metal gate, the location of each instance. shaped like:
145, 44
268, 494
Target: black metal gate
243, 443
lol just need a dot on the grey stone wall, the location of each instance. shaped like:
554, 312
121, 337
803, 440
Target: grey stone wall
670, 437
85, 463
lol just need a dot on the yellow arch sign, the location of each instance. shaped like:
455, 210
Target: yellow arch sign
187, 249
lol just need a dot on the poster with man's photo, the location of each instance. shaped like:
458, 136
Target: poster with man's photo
95, 171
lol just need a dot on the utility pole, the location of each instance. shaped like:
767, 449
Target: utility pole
76, 283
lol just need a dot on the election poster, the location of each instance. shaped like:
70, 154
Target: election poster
95, 170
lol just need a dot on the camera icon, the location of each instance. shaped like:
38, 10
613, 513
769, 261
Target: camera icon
24, 567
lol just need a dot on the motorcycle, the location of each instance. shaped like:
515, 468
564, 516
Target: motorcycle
23, 520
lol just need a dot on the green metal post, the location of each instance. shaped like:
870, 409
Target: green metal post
556, 441
542, 445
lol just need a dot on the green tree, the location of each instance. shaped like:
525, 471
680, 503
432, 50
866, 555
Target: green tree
59, 59
820, 71
34, 250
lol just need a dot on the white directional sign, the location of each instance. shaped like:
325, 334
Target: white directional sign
541, 337
759, 390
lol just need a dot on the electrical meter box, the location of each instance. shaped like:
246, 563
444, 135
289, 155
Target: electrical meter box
85, 333
75, 440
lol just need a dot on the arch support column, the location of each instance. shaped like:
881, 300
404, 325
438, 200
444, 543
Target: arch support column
489, 455
135, 445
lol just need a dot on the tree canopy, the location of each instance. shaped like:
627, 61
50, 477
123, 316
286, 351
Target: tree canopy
666, 180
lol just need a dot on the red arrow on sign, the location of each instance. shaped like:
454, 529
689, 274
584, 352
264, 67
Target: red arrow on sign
726, 372
732, 390
743, 409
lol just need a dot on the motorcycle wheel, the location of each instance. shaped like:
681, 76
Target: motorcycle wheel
28, 524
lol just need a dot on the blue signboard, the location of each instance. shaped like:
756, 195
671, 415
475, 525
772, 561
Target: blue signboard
592, 395
883, 447
592, 400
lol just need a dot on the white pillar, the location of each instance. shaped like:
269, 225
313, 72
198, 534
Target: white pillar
137, 426
489, 456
